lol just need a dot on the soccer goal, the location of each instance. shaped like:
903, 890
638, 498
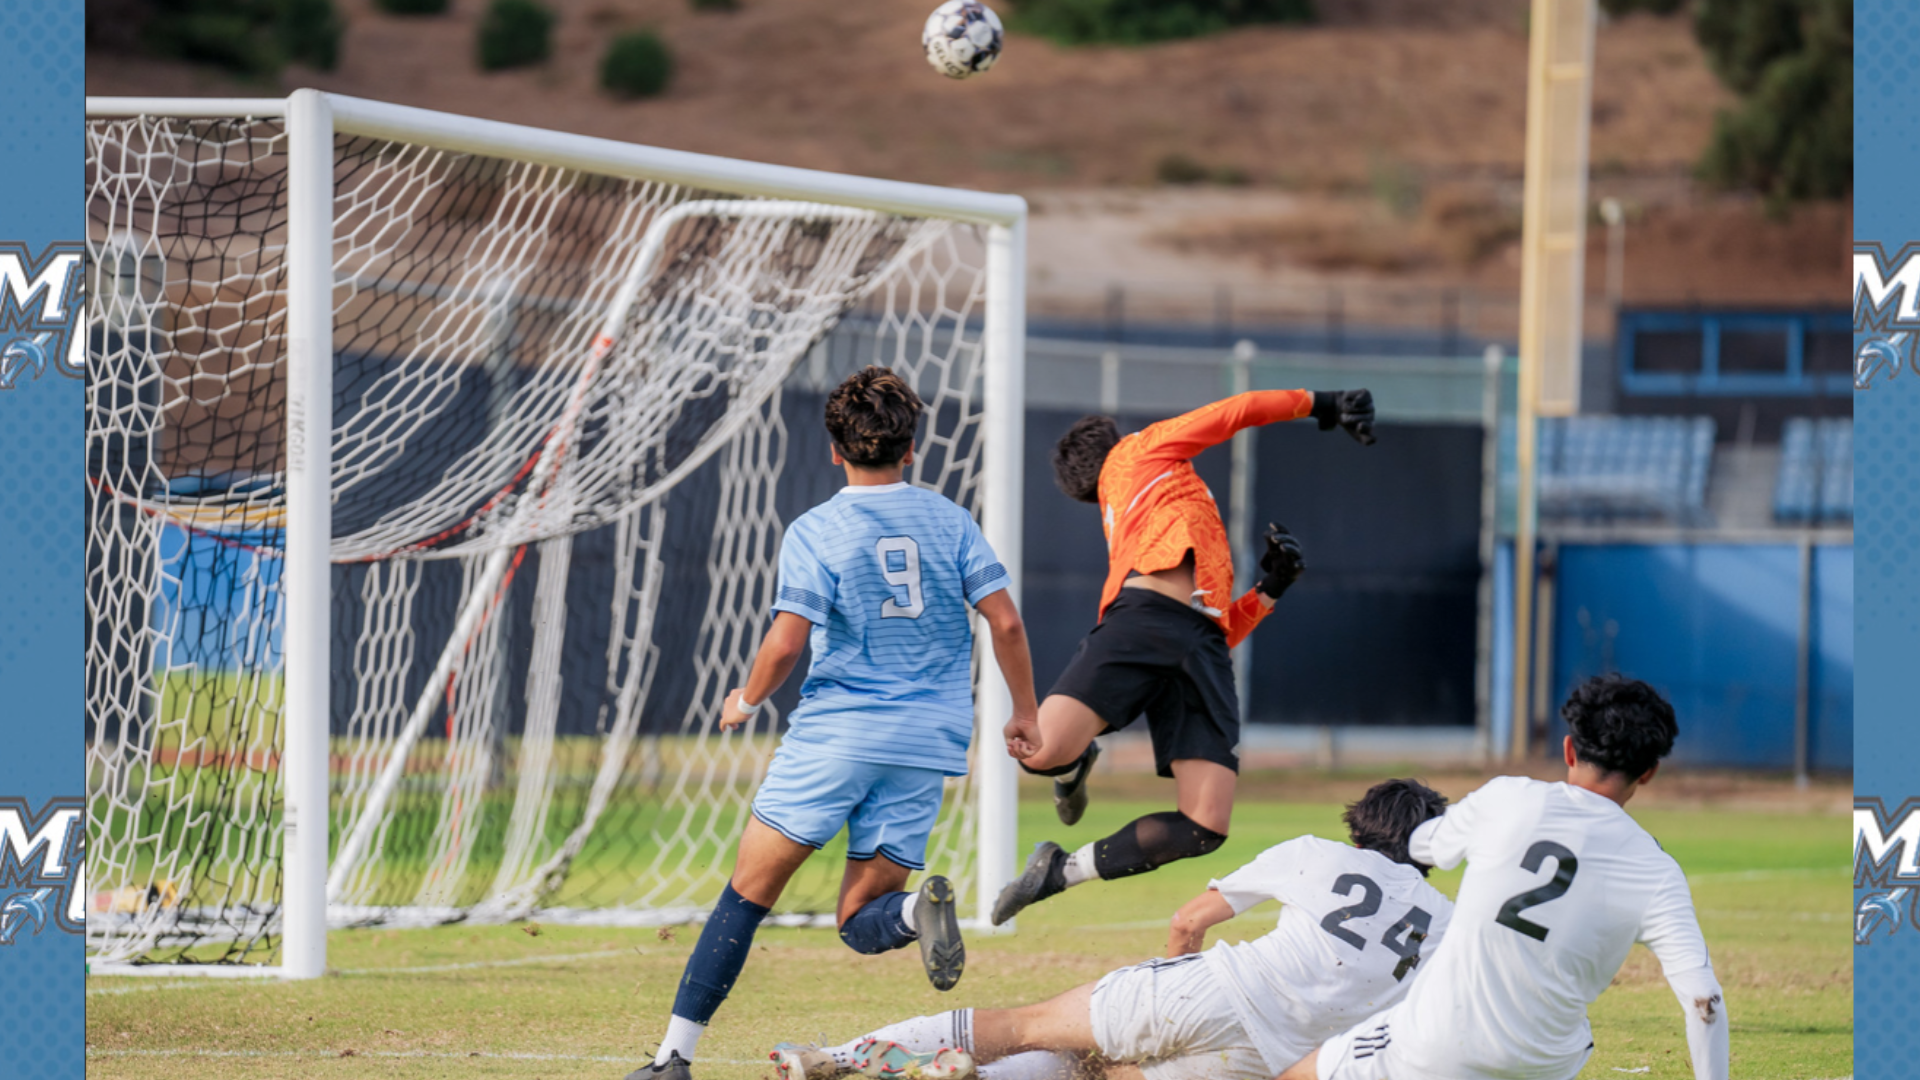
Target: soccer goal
436, 474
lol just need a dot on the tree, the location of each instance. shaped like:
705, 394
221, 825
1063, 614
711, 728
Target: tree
1791, 61
249, 37
1136, 22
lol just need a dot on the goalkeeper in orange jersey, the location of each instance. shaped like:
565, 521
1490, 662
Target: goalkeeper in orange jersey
1168, 617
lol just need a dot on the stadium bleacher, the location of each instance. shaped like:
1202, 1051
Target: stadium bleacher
1625, 466
1815, 482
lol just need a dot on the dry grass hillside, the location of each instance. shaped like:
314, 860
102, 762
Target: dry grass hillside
1382, 145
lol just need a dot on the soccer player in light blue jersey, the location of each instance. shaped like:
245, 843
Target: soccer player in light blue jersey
878, 580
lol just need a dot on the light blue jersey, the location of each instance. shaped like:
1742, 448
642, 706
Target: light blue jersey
886, 574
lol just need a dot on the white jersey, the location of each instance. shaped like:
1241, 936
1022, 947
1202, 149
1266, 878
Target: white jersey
1355, 928
1560, 884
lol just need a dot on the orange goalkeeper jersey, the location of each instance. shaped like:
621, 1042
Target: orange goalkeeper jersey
1155, 508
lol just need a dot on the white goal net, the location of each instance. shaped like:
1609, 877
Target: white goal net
576, 391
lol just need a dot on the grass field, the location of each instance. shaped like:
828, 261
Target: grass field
497, 1001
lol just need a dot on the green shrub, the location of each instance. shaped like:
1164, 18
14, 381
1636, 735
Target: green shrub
1396, 184
1136, 22
1791, 61
1627, 7
310, 32
637, 65
1178, 168
715, 5
515, 33
1231, 176
245, 36
413, 7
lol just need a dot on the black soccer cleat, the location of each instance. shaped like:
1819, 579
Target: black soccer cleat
941, 949
676, 1068
1045, 875
1070, 795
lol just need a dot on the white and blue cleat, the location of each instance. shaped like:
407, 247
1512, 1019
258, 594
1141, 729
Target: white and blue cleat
883, 1060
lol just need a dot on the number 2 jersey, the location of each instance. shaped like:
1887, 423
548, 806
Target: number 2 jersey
1355, 930
886, 574
1560, 884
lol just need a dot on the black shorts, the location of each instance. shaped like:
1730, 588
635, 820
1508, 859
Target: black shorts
1153, 654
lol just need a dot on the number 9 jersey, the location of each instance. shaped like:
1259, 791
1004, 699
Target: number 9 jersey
886, 573
1560, 884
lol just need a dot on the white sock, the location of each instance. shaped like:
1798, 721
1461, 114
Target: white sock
908, 909
922, 1035
1032, 1065
681, 1037
1079, 868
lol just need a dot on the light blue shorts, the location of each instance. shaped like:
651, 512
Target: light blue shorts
888, 809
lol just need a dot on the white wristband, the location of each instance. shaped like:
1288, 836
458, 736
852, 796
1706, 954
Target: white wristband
746, 708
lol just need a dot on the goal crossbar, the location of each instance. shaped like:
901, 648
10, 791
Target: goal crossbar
496, 138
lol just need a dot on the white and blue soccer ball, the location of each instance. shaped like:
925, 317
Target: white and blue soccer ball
962, 38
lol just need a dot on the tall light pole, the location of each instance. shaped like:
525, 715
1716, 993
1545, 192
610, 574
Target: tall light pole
1552, 266
1615, 217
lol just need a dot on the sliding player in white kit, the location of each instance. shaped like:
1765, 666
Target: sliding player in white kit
1560, 883
1356, 922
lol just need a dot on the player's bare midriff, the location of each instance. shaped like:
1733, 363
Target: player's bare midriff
1175, 581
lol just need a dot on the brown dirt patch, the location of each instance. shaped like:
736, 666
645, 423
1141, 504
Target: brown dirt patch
1392, 133
840, 84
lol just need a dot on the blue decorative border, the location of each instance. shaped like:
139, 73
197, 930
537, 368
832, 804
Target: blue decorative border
42, 536
1886, 147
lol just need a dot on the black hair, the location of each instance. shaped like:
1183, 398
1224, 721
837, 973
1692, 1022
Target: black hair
871, 417
1384, 818
1619, 724
1080, 454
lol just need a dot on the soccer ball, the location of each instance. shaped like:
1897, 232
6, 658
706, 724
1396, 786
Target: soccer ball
962, 38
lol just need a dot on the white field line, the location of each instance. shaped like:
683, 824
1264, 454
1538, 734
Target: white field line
1793, 916
144, 987
426, 969
1138, 924
474, 965
1761, 875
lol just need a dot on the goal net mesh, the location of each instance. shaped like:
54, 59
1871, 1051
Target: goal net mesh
572, 414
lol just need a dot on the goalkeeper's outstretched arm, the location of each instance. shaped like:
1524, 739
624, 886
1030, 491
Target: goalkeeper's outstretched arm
1280, 566
1185, 436
779, 651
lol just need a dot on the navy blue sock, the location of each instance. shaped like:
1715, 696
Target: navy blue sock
718, 958
878, 927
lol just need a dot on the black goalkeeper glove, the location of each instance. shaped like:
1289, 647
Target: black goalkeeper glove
1350, 409
1281, 564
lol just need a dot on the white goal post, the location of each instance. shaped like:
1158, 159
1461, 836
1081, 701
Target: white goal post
399, 384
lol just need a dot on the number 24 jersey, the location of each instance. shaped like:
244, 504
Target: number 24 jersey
1355, 930
1560, 884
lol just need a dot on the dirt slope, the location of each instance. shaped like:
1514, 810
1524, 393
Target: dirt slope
1383, 144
